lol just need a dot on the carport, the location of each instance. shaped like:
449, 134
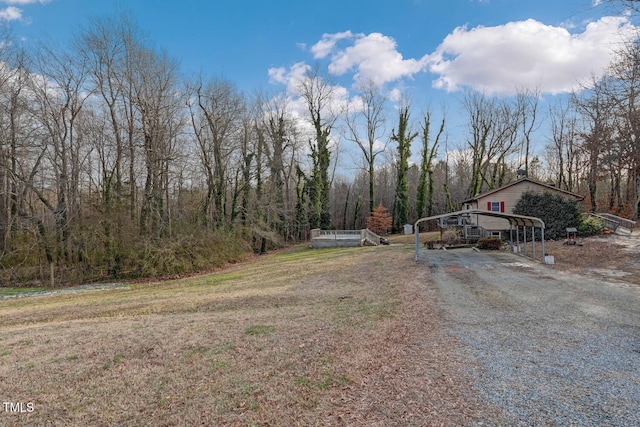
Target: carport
514, 220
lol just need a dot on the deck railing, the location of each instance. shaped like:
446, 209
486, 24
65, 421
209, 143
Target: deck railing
367, 235
474, 232
613, 222
316, 233
364, 235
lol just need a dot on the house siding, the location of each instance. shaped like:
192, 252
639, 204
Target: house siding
509, 196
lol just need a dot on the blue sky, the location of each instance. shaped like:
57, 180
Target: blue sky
243, 40
431, 49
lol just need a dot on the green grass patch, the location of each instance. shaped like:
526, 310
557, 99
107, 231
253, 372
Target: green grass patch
10, 292
217, 365
326, 380
362, 311
223, 348
303, 253
216, 279
376, 311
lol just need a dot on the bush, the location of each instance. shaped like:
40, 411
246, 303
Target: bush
556, 211
451, 237
490, 243
184, 254
590, 225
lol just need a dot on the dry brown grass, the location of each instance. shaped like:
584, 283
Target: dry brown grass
605, 256
305, 337
409, 239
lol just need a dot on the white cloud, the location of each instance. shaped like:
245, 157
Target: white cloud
525, 54
23, 2
291, 77
10, 14
373, 57
327, 43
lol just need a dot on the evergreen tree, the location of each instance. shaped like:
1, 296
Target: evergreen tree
556, 211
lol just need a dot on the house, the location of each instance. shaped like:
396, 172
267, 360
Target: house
504, 199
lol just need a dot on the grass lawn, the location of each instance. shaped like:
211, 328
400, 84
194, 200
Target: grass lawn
301, 337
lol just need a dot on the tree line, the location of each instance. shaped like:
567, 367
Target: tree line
114, 164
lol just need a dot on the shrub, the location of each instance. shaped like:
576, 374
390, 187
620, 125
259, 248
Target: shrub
451, 237
590, 225
556, 211
183, 254
490, 243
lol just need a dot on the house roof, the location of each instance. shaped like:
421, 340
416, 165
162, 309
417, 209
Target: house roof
520, 181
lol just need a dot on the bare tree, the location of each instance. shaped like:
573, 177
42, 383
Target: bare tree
596, 109
626, 92
527, 107
216, 113
278, 134
59, 91
564, 145
157, 108
365, 125
319, 97
493, 128
108, 45
625, 5
248, 154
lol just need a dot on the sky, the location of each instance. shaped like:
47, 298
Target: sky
431, 49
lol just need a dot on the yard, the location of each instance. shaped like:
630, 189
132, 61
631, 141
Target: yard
303, 337
354, 336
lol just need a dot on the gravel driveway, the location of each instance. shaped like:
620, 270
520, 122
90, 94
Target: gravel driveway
547, 347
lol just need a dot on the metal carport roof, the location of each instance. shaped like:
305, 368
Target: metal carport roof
517, 220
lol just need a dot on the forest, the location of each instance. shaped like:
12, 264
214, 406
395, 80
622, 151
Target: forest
113, 164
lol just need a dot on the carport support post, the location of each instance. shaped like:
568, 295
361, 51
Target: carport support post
417, 233
533, 241
543, 255
511, 236
524, 239
417, 243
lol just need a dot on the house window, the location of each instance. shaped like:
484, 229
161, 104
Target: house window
495, 206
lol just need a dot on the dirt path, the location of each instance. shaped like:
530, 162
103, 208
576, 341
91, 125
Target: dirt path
548, 347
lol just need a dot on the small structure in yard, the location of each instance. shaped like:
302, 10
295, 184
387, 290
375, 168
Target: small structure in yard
344, 238
572, 232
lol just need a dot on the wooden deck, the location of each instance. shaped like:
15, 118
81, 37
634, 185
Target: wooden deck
343, 238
